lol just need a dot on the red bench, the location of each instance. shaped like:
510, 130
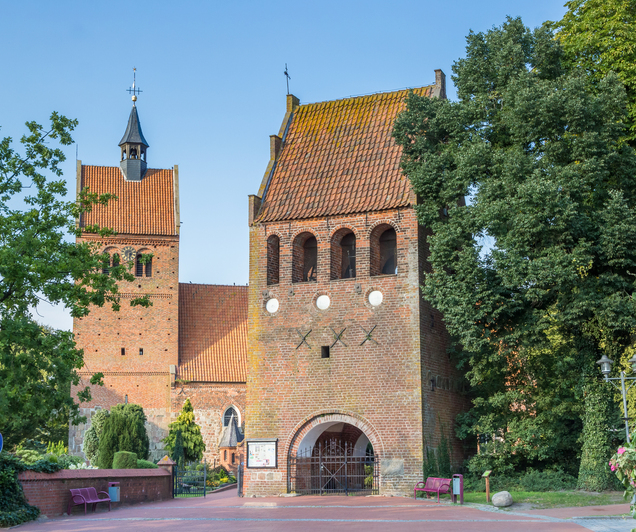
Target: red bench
433, 485
86, 496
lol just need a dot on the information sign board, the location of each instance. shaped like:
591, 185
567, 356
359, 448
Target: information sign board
262, 453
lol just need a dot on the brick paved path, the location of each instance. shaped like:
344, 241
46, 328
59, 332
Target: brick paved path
318, 514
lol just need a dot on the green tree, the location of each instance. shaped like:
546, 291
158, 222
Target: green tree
600, 37
177, 450
535, 272
193, 445
142, 442
38, 261
122, 431
92, 435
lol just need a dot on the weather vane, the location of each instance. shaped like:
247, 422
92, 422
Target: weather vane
287, 76
133, 90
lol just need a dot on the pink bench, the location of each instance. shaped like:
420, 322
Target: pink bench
86, 496
433, 485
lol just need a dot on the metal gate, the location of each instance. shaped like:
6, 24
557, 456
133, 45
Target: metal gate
190, 481
331, 469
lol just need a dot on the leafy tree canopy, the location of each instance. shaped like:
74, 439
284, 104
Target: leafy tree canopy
600, 37
191, 438
38, 261
551, 185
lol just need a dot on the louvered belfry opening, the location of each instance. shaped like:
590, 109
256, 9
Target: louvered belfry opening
273, 259
305, 258
343, 254
384, 255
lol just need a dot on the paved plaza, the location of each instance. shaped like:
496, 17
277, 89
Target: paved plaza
226, 511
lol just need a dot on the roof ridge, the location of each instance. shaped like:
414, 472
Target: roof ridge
366, 95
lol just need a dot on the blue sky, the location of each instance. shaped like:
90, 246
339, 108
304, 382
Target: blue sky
213, 87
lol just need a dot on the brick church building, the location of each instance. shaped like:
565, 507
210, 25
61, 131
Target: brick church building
192, 341
330, 351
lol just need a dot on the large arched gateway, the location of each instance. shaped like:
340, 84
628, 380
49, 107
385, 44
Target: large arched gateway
332, 454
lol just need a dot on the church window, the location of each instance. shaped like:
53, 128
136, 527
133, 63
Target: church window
233, 458
225, 455
228, 416
273, 259
305, 259
384, 251
343, 255
143, 266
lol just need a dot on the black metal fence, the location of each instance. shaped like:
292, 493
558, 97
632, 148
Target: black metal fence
190, 481
333, 470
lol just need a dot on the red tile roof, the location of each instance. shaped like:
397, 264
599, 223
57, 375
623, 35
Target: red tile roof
143, 207
339, 158
212, 333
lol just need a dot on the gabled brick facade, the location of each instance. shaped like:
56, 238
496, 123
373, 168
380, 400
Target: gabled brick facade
381, 357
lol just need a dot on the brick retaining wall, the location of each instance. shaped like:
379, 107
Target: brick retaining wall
50, 491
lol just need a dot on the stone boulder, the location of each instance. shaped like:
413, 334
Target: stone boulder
502, 499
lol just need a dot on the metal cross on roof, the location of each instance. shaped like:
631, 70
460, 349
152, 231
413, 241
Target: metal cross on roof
133, 90
287, 76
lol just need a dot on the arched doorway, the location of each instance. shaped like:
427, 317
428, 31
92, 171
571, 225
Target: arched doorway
333, 457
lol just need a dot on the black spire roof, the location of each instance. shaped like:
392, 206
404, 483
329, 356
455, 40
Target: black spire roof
133, 132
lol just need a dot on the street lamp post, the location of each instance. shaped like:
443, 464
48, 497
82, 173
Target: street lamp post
606, 368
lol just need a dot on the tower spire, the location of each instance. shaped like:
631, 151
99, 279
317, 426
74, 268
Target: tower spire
133, 144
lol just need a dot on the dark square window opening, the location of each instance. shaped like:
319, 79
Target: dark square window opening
123, 351
324, 351
141, 350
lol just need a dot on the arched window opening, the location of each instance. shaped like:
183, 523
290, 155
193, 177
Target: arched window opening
388, 252
110, 261
225, 455
133, 153
348, 262
305, 258
143, 266
383, 249
228, 416
310, 259
233, 458
273, 259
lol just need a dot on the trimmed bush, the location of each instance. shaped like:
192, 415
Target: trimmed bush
145, 464
141, 445
124, 460
91, 438
594, 472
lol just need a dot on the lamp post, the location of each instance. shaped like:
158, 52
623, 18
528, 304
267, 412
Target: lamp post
606, 368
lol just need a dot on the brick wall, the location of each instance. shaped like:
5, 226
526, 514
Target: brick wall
378, 385
50, 491
210, 401
144, 378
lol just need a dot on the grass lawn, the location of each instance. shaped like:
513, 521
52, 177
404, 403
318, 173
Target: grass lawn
555, 499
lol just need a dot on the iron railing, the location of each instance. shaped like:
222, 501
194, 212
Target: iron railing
190, 481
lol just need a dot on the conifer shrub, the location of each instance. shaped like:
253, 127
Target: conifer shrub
122, 432
193, 445
92, 435
124, 460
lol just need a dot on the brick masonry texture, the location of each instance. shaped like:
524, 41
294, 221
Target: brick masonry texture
381, 388
50, 491
210, 401
191, 333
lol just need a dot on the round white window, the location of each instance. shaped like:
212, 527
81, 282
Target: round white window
323, 302
375, 298
272, 305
